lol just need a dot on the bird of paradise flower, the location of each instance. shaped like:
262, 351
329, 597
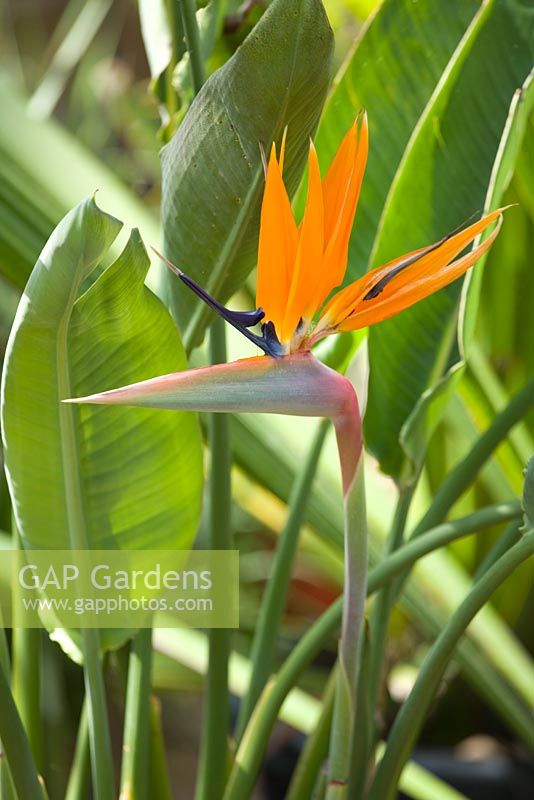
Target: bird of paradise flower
299, 265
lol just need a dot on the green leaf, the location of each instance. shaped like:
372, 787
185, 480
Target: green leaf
525, 170
429, 409
392, 72
125, 478
503, 169
444, 176
212, 170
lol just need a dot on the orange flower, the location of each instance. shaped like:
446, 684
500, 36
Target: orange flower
300, 265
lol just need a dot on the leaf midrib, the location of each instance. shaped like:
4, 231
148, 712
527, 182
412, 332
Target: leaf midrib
77, 529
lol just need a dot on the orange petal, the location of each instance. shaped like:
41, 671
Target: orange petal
277, 246
341, 191
337, 178
404, 270
442, 253
344, 301
309, 254
435, 277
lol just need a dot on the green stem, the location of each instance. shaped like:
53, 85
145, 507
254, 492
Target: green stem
361, 740
192, 40
26, 677
26, 684
354, 595
214, 747
159, 776
7, 791
265, 714
382, 606
99, 738
268, 625
4, 648
501, 546
466, 471
175, 28
256, 736
440, 536
134, 773
414, 710
80, 774
315, 750
16, 746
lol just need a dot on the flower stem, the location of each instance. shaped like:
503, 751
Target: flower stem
159, 777
501, 546
100, 742
382, 606
7, 791
414, 710
26, 683
354, 595
134, 774
26, 676
216, 722
270, 616
316, 748
361, 739
80, 774
175, 28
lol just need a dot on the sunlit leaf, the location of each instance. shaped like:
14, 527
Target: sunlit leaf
212, 170
444, 177
393, 77
125, 478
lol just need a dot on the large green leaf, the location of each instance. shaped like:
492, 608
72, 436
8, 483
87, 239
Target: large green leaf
510, 146
212, 170
392, 72
443, 178
126, 478
419, 426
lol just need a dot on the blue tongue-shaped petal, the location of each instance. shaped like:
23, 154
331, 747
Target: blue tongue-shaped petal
246, 319
241, 320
